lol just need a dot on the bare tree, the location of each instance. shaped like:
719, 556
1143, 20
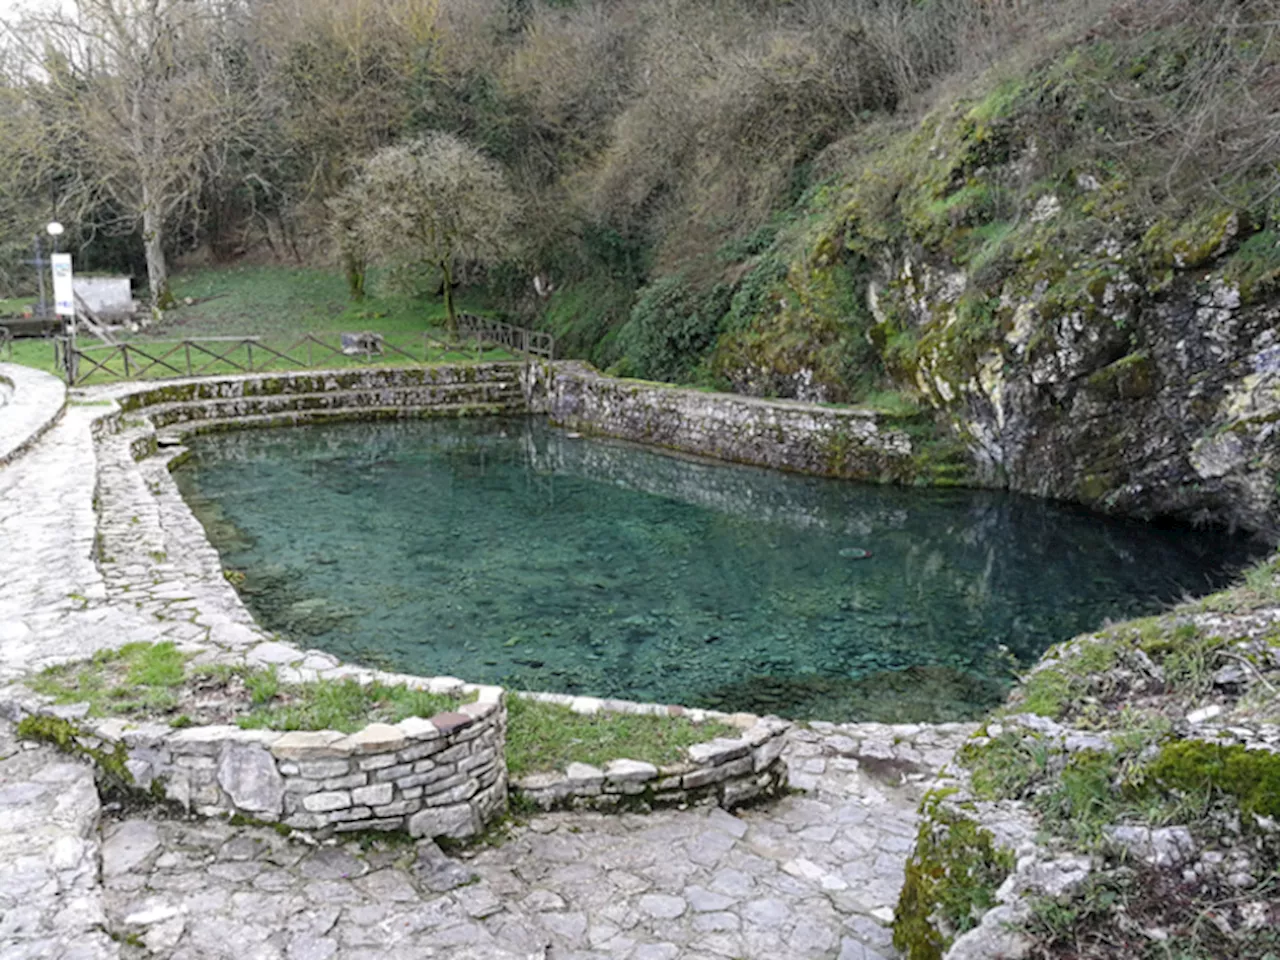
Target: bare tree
435, 200
143, 86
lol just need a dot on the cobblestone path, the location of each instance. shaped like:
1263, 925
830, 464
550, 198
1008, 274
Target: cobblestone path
814, 875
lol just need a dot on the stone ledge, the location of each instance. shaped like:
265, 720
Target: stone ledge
383, 777
726, 772
37, 401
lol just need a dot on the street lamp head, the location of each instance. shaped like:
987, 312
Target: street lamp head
55, 229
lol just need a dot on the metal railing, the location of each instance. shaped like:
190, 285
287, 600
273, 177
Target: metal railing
140, 359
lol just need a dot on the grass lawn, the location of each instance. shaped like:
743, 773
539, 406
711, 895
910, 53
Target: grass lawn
545, 736
16, 305
280, 305
275, 300
34, 352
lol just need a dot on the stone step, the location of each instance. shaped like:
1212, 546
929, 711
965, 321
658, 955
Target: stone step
319, 381
452, 396
293, 418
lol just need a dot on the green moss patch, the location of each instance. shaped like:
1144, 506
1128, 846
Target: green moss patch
545, 736
1249, 777
951, 880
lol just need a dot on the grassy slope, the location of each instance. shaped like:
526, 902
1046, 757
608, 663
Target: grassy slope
280, 304
269, 300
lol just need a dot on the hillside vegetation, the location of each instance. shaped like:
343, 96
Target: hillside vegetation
1045, 235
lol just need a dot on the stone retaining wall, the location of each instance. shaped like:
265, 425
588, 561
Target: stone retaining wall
805, 438
445, 776
728, 772
801, 437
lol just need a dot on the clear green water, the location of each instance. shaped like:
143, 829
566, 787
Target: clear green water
504, 551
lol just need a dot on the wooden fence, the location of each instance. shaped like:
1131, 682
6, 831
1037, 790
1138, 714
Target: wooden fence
140, 359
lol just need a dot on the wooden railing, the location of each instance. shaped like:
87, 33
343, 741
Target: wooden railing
533, 343
139, 359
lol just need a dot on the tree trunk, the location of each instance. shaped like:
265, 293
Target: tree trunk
157, 267
450, 316
355, 270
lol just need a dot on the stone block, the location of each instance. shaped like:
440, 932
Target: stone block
375, 795
738, 792
629, 771
418, 728
454, 753
345, 816
320, 769
345, 782
583, 774
419, 751
481, 758
426, 777
377, 738
379, 823
378, 761
311, 745
767, 753
703, 776
201, 741
249, 776
478, 710
458, 822
391, 773
326, 801
454, 794
449, 721
718, 751
396, 809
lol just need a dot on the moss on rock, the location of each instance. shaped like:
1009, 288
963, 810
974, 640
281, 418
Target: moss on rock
951, 880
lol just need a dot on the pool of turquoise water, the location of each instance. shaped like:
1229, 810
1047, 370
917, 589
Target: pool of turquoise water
507, 551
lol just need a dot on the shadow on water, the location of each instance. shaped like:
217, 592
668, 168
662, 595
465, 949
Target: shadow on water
503, 551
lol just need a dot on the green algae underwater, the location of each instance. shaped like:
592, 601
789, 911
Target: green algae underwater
507, 551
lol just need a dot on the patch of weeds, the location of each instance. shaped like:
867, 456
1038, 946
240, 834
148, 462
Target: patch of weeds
159, 556
1047, 692
234, 577
136, 678
951, 880
240, 820
263, 685
547, 736
1006, 766
1114, 914
343, 705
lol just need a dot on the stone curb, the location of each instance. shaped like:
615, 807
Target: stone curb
38, 401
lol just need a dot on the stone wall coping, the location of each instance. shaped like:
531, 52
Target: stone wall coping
35, 405
728, 771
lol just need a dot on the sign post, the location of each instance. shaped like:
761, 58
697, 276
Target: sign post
64, 305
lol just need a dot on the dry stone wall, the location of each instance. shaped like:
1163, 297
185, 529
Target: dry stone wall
443, 776
726, 771
786, 435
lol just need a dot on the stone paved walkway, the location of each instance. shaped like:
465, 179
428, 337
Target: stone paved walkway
50, 901
814, 875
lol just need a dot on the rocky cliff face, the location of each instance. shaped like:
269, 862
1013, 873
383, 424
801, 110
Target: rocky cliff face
1037, 264
1138, 404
